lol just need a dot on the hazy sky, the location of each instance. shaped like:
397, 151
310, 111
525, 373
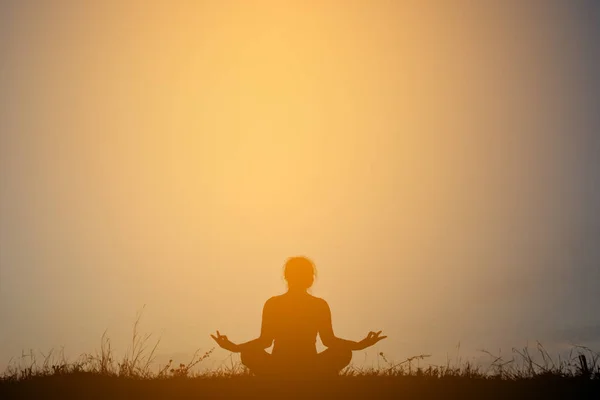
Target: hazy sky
439, 161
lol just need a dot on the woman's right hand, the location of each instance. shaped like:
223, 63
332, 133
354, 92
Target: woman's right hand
225, 343
370, 340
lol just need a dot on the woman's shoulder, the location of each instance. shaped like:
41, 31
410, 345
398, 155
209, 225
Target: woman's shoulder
320, 301
274, 299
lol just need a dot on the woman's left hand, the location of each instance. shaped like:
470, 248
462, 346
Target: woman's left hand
370, 340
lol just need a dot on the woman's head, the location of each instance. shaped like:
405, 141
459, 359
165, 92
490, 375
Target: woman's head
299, 272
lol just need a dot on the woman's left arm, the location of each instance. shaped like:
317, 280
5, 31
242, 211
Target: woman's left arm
265, 340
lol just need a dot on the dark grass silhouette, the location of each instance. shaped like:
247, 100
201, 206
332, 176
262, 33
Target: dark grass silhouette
96, 386
530, 375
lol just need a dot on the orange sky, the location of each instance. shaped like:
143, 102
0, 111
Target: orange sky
176, 155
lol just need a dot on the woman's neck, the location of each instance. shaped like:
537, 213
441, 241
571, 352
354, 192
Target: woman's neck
292, 290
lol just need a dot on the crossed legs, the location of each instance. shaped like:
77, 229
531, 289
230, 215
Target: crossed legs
328, 362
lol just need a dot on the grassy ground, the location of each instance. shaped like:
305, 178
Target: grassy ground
98, 378
530, 375
95, 386
86, 385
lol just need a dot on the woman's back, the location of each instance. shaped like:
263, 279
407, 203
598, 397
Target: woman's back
294, 320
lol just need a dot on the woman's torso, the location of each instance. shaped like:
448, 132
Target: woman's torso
295, 325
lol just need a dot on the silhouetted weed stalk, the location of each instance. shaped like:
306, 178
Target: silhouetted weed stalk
581, 362
138, 361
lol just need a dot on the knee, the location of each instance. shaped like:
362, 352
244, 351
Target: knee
342, 355
345, 356
249, 357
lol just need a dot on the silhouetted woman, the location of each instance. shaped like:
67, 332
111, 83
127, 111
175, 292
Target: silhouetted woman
293, 320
